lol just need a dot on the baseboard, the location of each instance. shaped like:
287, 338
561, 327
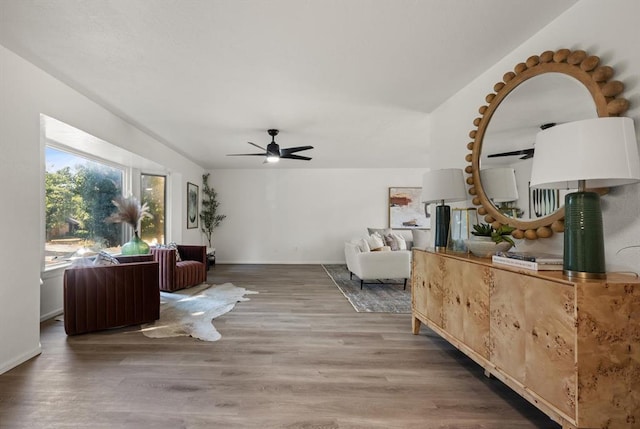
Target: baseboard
221, 262
51, 314
20, 359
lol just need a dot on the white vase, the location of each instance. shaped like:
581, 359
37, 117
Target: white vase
485, 247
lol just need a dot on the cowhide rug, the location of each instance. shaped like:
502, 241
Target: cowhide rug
190, 312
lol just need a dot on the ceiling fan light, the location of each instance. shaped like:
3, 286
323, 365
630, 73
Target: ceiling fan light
273, 151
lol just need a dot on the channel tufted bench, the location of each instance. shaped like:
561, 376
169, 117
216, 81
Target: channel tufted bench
111, 296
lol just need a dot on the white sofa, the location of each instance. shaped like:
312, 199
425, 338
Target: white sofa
368, 265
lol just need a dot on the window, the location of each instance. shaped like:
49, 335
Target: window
153, 193
78, 195
83, 175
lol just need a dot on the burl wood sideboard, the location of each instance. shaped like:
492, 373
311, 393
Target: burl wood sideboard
570, 347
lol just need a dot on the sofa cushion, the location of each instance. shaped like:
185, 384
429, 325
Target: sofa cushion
188, 273
382, 249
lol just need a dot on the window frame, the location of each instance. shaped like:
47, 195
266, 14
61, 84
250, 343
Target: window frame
127, 174
164, 195
112, 155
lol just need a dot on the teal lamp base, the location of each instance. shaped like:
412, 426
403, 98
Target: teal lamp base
583, 236
443, 218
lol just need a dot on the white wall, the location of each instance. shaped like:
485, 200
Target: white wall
25, 93
606, 29
298, 215
290, 216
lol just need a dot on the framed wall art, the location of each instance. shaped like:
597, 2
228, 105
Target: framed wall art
192, 205
543, 202
405, 209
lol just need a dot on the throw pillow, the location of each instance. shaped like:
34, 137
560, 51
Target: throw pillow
401, 243
391, 241
82, 262
375, 241
420, 238
103, 258
363, 245
173, 245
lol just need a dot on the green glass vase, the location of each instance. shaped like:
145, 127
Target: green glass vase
135, 246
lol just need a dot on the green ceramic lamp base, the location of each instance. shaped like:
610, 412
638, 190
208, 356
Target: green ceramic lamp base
583, 236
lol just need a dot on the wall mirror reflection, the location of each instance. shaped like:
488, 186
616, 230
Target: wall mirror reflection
550, 98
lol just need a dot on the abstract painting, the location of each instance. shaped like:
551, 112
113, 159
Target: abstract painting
405, 209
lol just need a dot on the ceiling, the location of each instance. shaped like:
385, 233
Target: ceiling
356, 79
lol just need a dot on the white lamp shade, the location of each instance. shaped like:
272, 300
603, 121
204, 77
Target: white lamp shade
499, 184
601, 151
443, 185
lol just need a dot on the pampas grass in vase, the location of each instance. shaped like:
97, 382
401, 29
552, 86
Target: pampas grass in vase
131, 212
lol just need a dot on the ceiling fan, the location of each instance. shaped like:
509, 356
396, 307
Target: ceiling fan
526, 153
273, 153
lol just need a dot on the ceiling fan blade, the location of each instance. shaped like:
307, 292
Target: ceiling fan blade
290, 150
273, 152
526, 152
259, 147
291, 156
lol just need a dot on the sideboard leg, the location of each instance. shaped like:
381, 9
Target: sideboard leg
415, 325
567, 425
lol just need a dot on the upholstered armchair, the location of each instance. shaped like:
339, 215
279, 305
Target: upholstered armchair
111, 296
191, 270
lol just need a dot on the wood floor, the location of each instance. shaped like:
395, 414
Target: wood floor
295, 356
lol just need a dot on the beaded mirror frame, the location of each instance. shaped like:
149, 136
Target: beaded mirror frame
608, 100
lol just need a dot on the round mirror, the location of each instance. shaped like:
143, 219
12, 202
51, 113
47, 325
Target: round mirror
508, 147
555, 87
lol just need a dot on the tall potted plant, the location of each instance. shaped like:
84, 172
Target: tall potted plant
209, 217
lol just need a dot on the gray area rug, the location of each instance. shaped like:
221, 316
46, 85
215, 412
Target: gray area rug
190, 312
387, 297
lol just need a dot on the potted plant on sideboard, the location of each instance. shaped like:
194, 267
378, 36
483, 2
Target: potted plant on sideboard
487, 240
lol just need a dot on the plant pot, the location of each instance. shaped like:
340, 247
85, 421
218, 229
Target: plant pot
485, 247
135, 246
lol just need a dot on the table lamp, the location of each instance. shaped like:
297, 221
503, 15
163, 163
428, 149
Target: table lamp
500, 186
443, 186
588, 154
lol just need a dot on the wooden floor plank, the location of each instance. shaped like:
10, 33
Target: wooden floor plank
295, 356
